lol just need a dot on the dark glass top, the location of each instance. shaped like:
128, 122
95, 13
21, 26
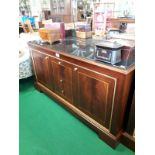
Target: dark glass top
84, 48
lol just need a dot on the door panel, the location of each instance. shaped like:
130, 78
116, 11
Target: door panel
95, 95
41, 65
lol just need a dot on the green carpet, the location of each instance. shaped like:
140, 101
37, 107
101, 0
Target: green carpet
48, 129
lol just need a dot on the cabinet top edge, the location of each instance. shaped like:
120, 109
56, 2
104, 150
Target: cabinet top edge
125, 72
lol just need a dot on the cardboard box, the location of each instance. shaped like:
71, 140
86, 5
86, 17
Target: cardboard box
49, 35
83, 35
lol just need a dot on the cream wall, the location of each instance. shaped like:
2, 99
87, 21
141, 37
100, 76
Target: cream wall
121, 5
38, 5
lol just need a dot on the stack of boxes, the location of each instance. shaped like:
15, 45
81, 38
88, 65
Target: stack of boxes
52, 32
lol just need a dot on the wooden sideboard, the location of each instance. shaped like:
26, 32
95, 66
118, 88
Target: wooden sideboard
94, 92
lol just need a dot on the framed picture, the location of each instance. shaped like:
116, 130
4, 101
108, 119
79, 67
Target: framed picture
109, 9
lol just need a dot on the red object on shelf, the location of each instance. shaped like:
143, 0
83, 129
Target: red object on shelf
99, 17
62, 30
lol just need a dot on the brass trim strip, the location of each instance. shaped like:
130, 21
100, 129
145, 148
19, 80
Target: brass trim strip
115, 82
112, 108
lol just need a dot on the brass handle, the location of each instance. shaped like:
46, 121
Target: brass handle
59, 62
75, 69
61, 80
46, 57
62, 91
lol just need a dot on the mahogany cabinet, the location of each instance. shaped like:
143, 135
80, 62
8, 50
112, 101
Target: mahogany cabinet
96, 93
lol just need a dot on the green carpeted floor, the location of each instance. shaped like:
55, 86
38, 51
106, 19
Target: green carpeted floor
48, 129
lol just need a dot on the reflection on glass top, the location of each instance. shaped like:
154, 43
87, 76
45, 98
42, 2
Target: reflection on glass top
78, 47
85, 48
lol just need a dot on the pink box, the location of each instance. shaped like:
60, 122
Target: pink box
52, 26
57, 26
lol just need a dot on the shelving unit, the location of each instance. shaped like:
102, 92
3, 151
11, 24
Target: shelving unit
63, 10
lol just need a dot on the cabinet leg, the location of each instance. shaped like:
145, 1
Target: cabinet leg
36, 86
110, 140
40, 91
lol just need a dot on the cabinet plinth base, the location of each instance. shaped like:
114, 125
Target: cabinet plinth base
128, 141
38, 88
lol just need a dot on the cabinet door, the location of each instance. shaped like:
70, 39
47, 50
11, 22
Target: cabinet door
41, 66
62, 73
95, 93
